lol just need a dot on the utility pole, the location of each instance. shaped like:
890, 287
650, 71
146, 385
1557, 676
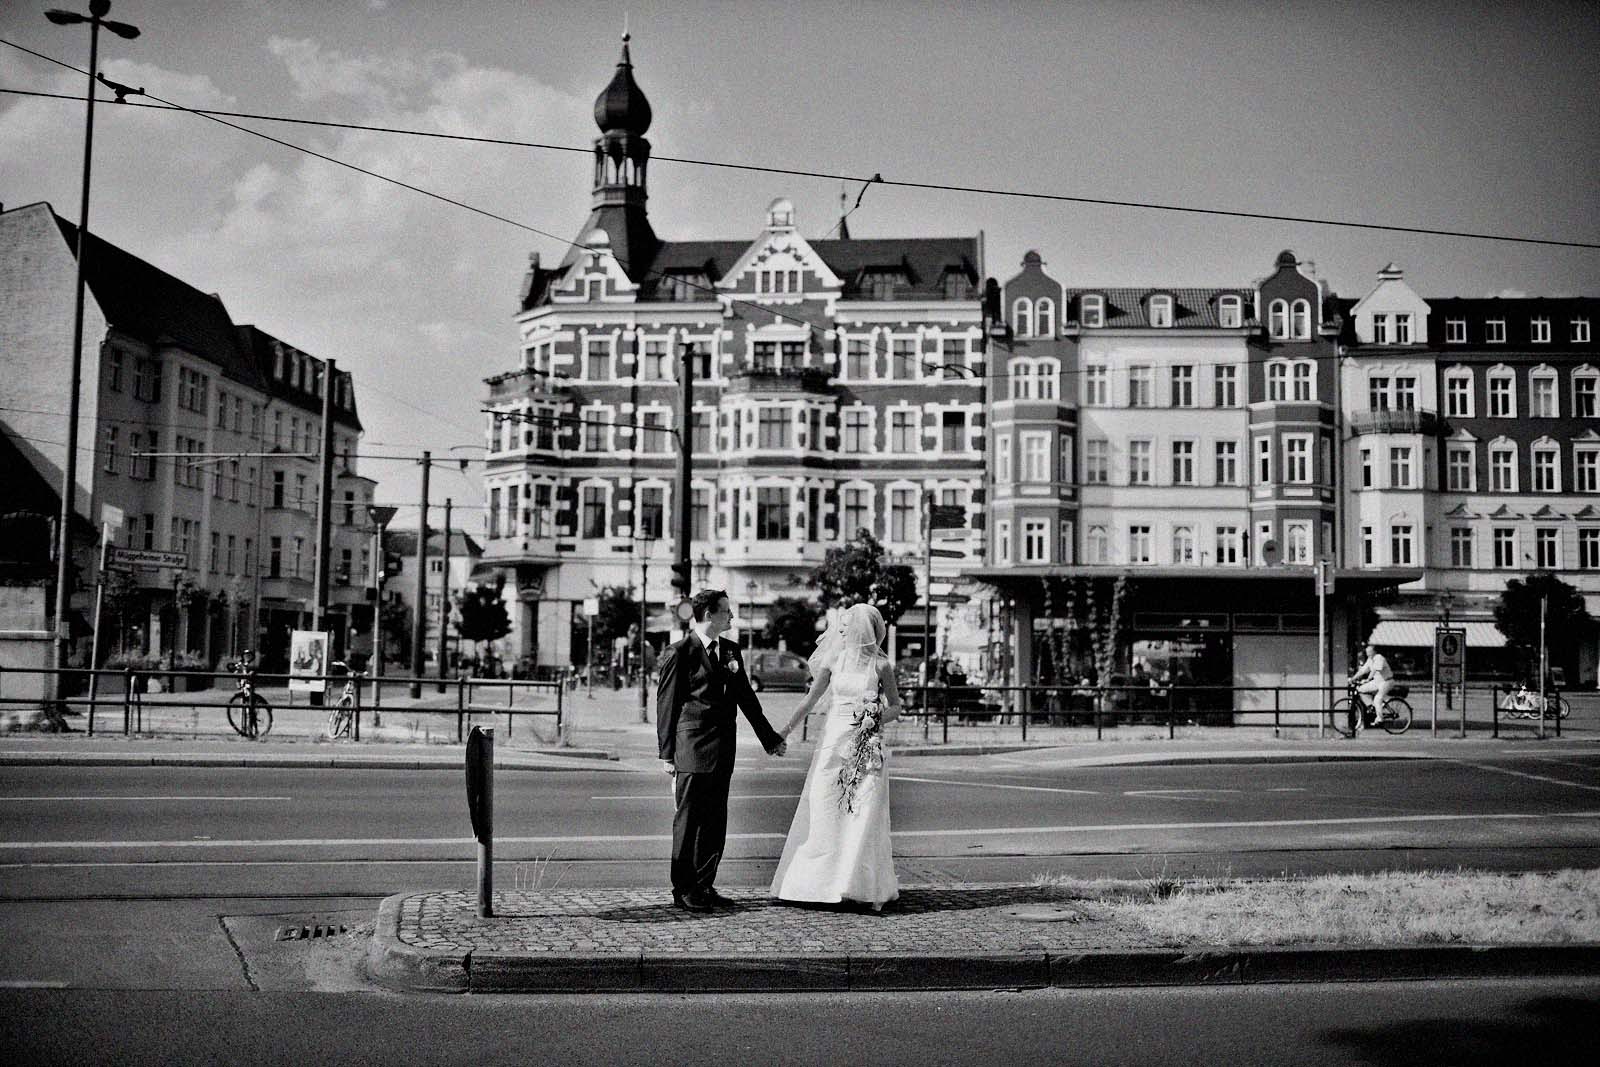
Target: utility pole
419, 609
644, 610
444, 597
319, 619
1544, 600
927, 599
685, 488
98, 9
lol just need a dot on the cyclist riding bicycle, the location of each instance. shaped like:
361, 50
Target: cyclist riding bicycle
1373, 679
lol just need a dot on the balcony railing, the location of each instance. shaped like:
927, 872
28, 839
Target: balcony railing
1404, 420
524, 382
769, 380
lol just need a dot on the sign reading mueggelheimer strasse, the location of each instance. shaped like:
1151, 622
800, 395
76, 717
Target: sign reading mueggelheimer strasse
145, 557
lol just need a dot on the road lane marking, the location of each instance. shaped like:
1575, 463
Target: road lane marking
994, 785
32, 983
1525, 774
5, 799
655, 839
669, 797
1177, 794
1287, 789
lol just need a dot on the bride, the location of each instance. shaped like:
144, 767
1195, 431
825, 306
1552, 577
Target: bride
838, 845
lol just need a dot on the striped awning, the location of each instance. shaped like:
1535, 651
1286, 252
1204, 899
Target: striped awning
1418, 633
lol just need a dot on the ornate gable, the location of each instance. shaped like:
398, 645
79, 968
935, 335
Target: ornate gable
594, 275
780, 265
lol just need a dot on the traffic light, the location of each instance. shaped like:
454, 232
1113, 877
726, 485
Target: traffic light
681, 580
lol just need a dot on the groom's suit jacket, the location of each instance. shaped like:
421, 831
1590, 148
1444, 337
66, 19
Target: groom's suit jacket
695, 700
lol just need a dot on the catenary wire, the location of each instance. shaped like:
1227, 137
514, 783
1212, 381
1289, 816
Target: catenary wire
832, 176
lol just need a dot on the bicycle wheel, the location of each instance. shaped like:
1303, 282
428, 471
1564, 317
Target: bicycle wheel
236, 715
1396, 715
1566, 708
340, 718
1340, 716
259, 722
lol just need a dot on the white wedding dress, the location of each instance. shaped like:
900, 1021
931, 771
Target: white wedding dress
834, 854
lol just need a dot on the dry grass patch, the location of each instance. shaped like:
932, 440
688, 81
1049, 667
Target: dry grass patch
1390, 908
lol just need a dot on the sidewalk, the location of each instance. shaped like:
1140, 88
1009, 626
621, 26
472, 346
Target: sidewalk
953, 936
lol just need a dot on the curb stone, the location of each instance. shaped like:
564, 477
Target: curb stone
407, 968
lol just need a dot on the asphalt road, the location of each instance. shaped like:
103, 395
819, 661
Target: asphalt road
1456, 1023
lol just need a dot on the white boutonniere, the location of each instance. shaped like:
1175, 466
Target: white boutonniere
731, 663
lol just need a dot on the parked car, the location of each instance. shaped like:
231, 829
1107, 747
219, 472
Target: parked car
777, 670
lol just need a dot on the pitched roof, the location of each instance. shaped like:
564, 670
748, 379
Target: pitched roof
262, 349
148, 303
920, 262
405, 543
1190, 307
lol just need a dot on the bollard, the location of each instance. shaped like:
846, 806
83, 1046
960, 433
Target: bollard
1172, 713
461, 705
480, 809
127, 698
355, 715
1277, 713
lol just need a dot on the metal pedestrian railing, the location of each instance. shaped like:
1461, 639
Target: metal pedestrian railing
155, 700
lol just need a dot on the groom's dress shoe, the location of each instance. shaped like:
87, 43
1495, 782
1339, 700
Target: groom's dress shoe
718, 899
692, 901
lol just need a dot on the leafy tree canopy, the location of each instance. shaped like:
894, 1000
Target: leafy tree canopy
855, 573
1567, 620
482, 614
794, 621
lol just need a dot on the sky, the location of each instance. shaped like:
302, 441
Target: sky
1466, 115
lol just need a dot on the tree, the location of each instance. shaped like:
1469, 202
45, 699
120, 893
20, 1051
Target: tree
1567, 621
394, 622
856, 574
792, 620
483, 616
618, 611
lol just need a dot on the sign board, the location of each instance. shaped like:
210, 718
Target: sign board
480, 750
591, 606
128, 558
1449, 656
949, 598
308, 655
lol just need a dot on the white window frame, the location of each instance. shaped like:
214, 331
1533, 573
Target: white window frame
1510, 378
1277, 380
1580, 329
1096, 386
1586, 461
1225, 462
1539, 330
1454, 450
1161, 311
1141, 543
1145, 448
1297, 452
1380, 328
1455, 331
1278, 320
1035, 448
1463, 549
1588, 548
1402, 533
1494, 331
1097, 544
1044, 317
1092, 310
1182, 375
1508, 560
1226, 544
1097, 461
1549, 451
1297, 543
1002, 541
1230, 312
1408, 468
1402, 328
1300, 319
1458, 385
1263, 463
1145, 375
1502, 447
1002, 458
1183, 546
1303, 372
1184, 448
1226, 379
1022, 317
1539, 543
1035, 534
1535, 378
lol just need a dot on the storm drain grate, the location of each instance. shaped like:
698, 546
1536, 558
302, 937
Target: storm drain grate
311, 932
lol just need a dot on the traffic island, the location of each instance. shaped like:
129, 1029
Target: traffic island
963, 936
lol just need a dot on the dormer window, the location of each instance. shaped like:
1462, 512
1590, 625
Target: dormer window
685, 287
1045, 317
781, 282
1455, 331
1300, 320
1022, 317
1380, 329
1230, 312
1580, 330
1402, 329
1494, 331
1092, 310
1539, 330
1278, 319
957, 286
1161, 312
879, 285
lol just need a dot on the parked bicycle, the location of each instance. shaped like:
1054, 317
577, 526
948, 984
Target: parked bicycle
248, 711
1523, 703
343, 715
1395, 716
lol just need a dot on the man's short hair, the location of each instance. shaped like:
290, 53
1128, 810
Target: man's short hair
705, 602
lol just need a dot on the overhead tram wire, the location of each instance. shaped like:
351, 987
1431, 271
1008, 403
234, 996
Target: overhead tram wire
977, 190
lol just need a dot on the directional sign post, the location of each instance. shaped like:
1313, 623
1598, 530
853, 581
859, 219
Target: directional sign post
1449, 668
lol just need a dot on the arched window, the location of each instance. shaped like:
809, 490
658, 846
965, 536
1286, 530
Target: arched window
1301, 320
1022, 317
1182, 545
1230, 312
1022, 379
1092, 310
1277, 380
1044, 314
1278, 319
1161, 311
1304, 388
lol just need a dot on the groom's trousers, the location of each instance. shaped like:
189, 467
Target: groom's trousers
700, 827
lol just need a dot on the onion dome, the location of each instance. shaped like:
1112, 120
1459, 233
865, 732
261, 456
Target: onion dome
621, 105
1286, 258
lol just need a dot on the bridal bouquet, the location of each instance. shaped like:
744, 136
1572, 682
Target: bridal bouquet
863, 751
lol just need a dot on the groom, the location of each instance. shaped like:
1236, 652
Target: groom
702, 679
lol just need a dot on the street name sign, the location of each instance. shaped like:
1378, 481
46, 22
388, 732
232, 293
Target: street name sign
128, 558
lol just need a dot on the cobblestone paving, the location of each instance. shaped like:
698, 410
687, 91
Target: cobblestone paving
965, 918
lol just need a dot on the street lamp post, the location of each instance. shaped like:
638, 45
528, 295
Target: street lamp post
69, 474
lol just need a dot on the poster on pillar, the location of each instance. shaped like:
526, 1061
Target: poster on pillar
308, 659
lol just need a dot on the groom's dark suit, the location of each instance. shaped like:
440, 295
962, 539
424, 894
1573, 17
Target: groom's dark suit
697, 731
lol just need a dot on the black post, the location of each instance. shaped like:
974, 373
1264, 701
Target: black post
419, 609
685, 460
324, 560
444, 597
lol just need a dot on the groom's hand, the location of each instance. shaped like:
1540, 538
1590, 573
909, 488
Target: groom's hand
781, 749
669, 766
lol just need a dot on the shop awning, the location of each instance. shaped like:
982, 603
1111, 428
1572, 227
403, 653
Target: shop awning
1418, 633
